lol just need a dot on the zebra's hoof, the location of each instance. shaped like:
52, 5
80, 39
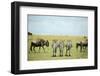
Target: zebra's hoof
54, 56
60, 55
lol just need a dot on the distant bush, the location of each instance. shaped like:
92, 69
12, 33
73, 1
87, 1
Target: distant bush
29, 33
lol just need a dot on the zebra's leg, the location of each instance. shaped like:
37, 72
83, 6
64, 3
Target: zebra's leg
53, 52
69, 53
60, 52
66, 52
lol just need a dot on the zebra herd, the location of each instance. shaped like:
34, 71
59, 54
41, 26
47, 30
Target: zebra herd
58, 45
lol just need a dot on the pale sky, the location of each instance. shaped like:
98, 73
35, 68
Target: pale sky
57, 25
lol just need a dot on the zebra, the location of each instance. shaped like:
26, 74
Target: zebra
57, 45
68, 46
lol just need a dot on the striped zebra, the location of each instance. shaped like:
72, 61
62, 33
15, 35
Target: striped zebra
68, 46
58, 46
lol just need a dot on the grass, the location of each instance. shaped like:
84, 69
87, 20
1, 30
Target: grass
75, 54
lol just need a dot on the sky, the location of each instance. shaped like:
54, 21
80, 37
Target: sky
57, 25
